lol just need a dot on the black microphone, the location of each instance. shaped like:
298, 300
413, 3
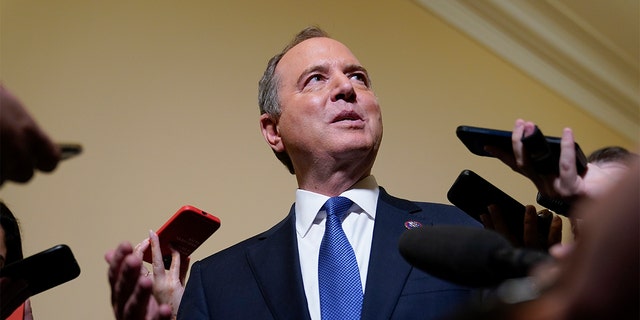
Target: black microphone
467, 256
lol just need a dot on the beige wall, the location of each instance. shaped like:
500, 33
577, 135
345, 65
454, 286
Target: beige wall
162, 94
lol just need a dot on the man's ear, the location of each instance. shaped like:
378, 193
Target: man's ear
270, 132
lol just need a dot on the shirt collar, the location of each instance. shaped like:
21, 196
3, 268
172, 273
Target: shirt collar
308, 204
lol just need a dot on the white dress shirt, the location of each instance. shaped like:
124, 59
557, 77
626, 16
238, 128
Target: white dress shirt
357, 224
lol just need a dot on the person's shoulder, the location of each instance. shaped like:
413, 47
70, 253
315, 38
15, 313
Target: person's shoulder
447, 214
237, 252
439, 213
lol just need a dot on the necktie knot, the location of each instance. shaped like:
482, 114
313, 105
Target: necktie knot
337, 206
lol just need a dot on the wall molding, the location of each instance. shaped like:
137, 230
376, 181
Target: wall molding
548, 42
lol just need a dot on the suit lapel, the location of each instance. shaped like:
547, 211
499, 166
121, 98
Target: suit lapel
276, 267
388, 271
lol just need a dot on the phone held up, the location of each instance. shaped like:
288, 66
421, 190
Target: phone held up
185, 231
473, 194
544, 151
44, 270
69, 150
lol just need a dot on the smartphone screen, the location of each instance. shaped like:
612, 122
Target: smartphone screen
185, 231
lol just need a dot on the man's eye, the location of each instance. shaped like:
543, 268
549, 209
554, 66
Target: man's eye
360, 77
314, 78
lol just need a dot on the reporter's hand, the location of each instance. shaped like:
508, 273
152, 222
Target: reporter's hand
531, 236
568, 184
169, 284
131, 290
25, 146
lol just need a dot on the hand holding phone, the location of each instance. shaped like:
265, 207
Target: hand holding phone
42, 271
544, 150
473, 195
185, 231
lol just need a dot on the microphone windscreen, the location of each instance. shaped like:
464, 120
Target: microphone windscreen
462, 255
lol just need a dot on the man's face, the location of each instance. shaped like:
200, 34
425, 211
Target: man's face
328, 108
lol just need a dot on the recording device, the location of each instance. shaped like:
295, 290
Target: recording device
544, 151
467, 256
185, 231
44, 270
69, 150
473, 194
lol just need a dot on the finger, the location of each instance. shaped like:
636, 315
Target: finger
156, 256
568, 170
486, 221
561, 251
516, 142
555, 231
528, 128
127, 282
114, 259
138, 251
135, 307
174, 270
141, 247
530, 231
108, 256
28, 313
164, 312
184, 267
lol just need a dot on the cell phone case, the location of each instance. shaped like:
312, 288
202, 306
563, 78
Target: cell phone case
185, 231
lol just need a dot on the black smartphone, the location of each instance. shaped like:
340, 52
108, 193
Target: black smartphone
185, 231
473, 194
44, 270
475, 139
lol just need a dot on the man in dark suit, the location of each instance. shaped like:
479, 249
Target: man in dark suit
321, 118
323, 121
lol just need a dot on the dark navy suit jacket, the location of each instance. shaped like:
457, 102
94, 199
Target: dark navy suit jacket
260, 277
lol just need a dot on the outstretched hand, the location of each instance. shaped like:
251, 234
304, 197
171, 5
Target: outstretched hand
131, 290
136, 292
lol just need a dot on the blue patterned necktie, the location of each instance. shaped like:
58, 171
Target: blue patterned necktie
338, 274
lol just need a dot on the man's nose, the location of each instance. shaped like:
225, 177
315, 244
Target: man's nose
343, 89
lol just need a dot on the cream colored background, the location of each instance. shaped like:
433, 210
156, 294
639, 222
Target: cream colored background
162, 94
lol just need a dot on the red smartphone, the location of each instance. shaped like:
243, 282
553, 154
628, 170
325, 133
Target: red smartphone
185, 231
18, 314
